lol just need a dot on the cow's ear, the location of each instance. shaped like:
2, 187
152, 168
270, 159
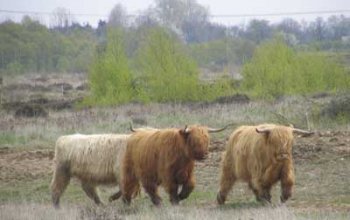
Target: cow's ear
185, 132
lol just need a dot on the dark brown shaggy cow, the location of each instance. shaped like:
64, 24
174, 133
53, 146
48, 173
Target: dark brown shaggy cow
163, 157
261, 156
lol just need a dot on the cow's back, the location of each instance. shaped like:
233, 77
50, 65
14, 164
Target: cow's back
149, 152
93, 158
143, 151
243, 147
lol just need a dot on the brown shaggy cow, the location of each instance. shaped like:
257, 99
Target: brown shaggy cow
163, 157
261, 156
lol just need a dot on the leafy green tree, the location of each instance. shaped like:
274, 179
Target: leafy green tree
110, 76
166, 72
40, 49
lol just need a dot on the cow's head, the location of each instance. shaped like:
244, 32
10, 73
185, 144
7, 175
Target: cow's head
279, 139
197, 141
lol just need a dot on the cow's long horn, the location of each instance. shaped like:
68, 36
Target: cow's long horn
213, 130
135, 129
303, 132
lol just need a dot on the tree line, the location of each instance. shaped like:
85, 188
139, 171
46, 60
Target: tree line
68, 46
159, 55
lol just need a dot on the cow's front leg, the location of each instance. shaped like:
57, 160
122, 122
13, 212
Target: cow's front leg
261, 190
266, 193
187, 188
172, 189
287, 181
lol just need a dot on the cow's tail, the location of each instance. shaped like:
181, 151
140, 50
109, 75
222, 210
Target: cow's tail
136, 191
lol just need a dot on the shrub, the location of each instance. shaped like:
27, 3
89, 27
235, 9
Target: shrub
276, 70
338, 108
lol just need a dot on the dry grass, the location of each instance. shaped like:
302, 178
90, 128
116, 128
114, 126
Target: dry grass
31, 211
322, 162
36, 211
43, 131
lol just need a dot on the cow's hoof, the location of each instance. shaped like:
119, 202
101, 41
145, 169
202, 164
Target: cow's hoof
283, 199
126, 201
220, 199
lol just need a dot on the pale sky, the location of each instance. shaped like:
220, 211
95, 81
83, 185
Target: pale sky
101, 8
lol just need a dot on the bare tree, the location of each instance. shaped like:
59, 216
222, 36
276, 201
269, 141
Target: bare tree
118, 16
318, 29
61, 18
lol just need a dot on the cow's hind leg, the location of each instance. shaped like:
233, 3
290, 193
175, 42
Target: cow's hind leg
130, 188
226, 182
90, 191
115, 196
61, 178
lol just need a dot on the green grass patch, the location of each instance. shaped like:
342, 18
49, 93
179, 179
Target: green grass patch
7, 138
38, 191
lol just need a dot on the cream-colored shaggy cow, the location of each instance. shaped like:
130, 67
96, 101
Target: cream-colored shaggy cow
93, 159
261, 156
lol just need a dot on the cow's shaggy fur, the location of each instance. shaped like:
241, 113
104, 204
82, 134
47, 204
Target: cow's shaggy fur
163, 157
261, 156
93, 159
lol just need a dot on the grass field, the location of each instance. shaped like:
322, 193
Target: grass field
322, 162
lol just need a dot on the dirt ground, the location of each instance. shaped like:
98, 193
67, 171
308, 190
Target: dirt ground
322, 152
24, 165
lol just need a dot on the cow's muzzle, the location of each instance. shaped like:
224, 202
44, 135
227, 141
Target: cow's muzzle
282, 156
201, 157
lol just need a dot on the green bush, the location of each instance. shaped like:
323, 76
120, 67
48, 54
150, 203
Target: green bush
14, 68
223, 86
277, 70
163, 72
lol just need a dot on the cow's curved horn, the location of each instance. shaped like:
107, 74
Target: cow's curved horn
132, 128
263, 130
186, 129
213, 130
303, 132
135, 129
